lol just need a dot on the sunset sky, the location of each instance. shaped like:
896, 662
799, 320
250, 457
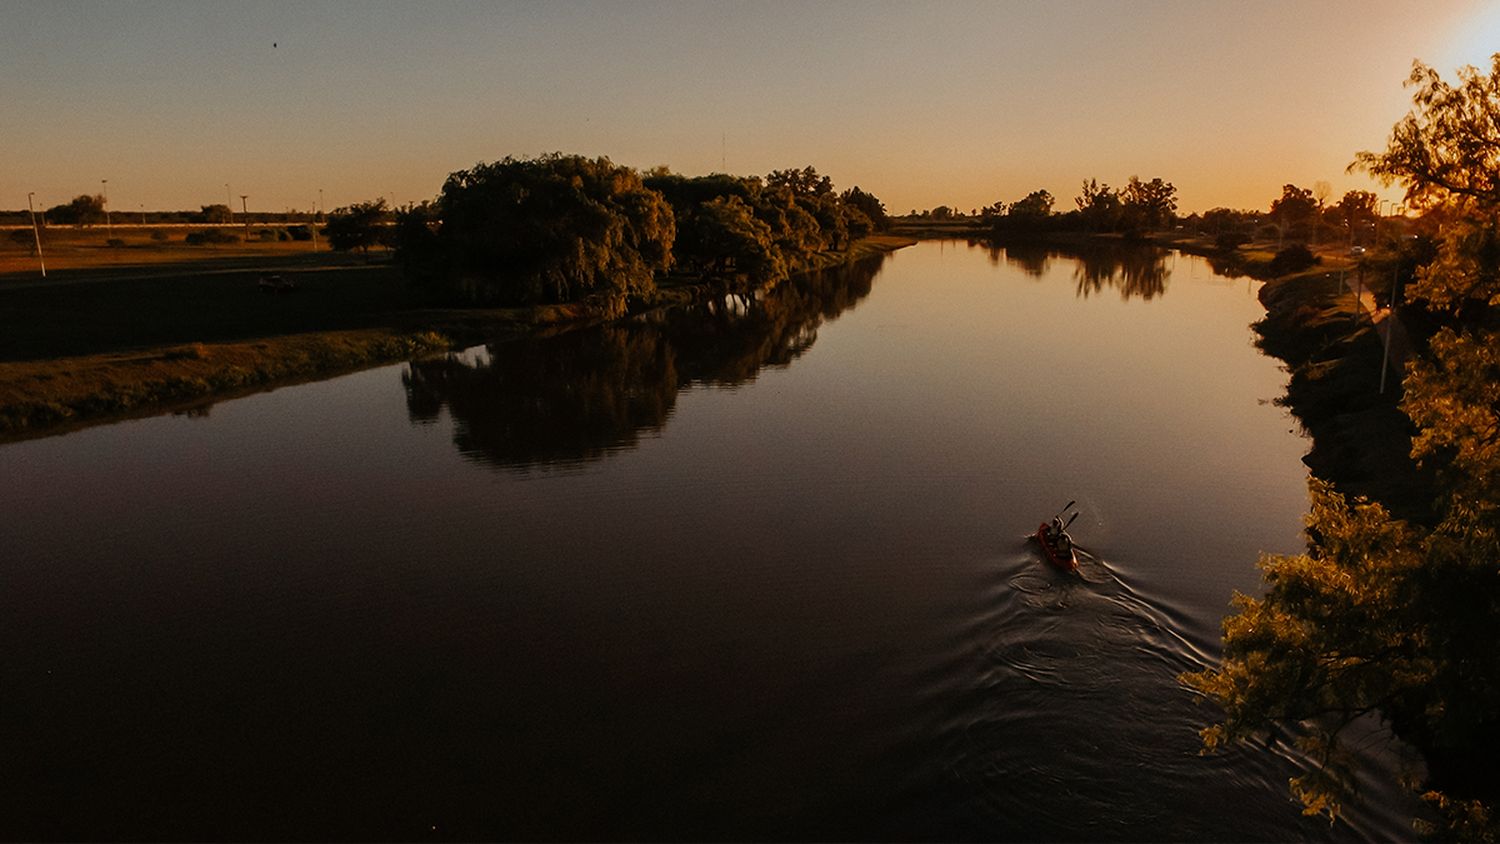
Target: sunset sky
921, 103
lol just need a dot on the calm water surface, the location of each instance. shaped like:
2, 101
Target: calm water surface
758, 571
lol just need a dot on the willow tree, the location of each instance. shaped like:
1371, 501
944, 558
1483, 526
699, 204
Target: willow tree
723, 238
1380, 616
550, 229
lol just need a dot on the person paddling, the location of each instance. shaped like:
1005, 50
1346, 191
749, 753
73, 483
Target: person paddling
1058, 535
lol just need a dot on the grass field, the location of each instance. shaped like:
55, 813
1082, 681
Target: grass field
67, 249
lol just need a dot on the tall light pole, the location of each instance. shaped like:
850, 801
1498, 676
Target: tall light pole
229, 202
109, 229
36, 233
244, 208
1390, 328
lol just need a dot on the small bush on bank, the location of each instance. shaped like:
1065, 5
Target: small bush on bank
1292, 259
1230, 241
159, 236
114, 243
210, 236
299, 233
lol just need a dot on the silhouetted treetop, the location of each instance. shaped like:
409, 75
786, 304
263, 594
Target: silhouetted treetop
359, 226
804, 182
552, 228
83, 210
1449, 145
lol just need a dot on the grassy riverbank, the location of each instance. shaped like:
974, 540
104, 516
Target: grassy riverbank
95, 341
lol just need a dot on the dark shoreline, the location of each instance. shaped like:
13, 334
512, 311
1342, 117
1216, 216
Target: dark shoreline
50, 396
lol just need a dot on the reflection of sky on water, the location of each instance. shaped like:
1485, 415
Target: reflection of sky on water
757, 574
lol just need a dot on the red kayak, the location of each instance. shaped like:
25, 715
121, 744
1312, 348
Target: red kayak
1067, 560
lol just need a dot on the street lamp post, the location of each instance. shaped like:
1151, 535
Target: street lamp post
108, 229
229, 202
246, 214
36, 233
1390, 328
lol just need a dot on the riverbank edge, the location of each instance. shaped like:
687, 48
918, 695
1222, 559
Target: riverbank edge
1361, 439
1314, 325
41, 397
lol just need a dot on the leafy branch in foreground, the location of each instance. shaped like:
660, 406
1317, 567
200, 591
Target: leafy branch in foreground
1380, 616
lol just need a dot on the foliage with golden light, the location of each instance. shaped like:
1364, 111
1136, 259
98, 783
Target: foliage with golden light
1380, 615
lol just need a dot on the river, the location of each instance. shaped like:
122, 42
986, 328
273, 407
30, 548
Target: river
755, 571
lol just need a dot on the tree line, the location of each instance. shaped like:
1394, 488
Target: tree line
1299, 215
1140, 206
89, 210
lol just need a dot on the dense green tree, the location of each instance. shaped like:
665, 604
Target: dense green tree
1099, 206
359, 226
832, 217
1035, 208
687, 192
1228, 227
869, 205
553, 228
214, 214
856, 222
82, 210
415, 236
1295, 207
1149, 205
722, 237
1448, 147
804, 182
1355, 209
795, 231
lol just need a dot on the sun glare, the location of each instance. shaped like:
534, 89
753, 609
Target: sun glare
1474, 41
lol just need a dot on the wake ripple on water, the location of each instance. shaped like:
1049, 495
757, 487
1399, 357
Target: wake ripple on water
1075, 725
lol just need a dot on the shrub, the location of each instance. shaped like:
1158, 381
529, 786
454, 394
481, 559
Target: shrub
210, 236
1229, 241
299, 232
114, 243
551, 229
159, 236
1292, 258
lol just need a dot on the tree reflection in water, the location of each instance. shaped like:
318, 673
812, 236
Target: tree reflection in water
1136, 270
578, 396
